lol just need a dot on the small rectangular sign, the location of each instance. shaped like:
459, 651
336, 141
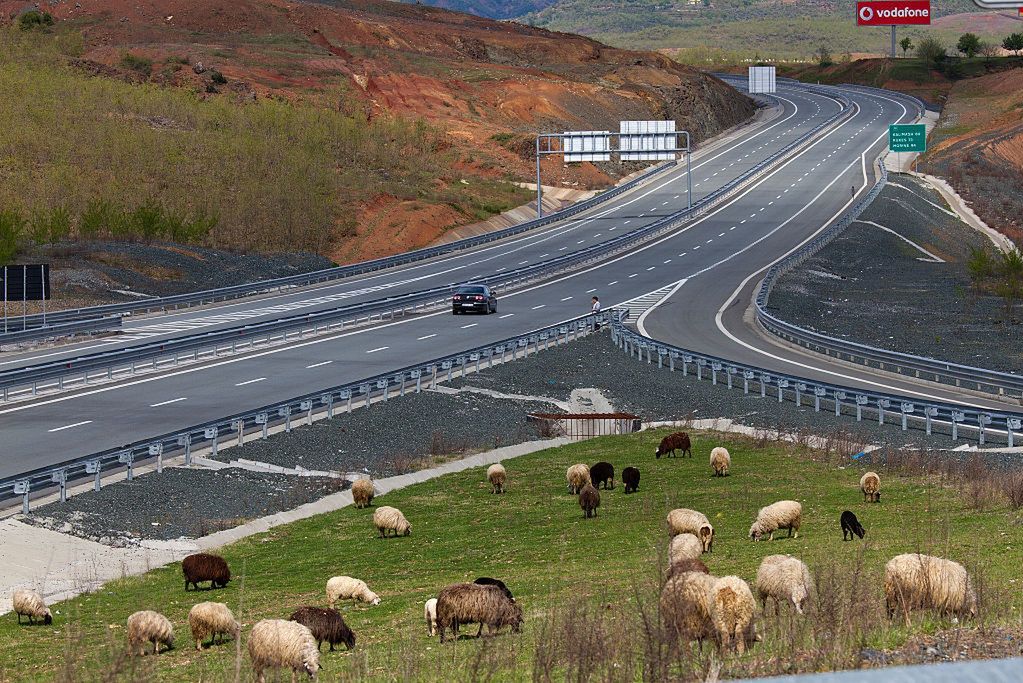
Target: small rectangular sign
25, 282
907, 137
893, 13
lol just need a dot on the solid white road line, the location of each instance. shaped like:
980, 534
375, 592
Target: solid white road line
77, 424
250, 381
167, 403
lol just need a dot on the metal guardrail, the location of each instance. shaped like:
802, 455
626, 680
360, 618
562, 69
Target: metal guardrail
91, 326
127, 360
842, 399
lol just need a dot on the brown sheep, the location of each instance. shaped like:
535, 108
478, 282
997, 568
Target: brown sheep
202, 567
589, 501
464, 603
673, 442
363, 492
870, 485
325, 625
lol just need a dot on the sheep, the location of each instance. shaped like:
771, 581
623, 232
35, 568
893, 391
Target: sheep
589, 501
363, 492
630, 477
386, 518
683, 566
785, 514
720, 461
577, 476
205, 567
26, 601
464, 603
347, 588
603, 473
487, 581
212, 620
430, 613
147, 625
784, 577
732, 611
684, 547
496, 475
277, 643
325, 625
870, 485
914, 580
850, 526
685, 521
686, 607
673, 442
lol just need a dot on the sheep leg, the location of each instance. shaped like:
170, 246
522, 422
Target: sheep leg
19, 617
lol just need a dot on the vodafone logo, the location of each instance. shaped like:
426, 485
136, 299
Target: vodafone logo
891, 12
866, 13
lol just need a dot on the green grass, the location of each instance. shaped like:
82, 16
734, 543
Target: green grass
560, 566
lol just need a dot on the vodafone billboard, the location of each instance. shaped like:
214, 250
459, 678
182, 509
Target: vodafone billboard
893, 13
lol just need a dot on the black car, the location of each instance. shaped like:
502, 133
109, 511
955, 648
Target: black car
474, 298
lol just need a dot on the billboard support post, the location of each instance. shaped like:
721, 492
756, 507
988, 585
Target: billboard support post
539, 190
893, 41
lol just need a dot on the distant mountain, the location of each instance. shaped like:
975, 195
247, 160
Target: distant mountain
495, 9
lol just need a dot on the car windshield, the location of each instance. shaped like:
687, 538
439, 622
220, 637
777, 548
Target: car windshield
471, 290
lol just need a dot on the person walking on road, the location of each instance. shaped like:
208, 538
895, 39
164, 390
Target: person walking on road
595, 309
853, 190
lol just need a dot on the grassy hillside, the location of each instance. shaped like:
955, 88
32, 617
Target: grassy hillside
588, 587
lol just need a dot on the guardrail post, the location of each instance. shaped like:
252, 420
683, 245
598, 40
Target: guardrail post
93, 467
747, 375
185, 441
661, 353
1010, 425
729, 371
957, 417
700, 363
368, 391
782, 384
929, 412
60, 478
328, 400
21, 488
839, 397
861, 400
476, 358
765, 379
907, 409
210, 433
285, 412
127, 458
384, 385
400, 379
983, 420
433, 369
307, 406
346, 395
715, 367
156, 450
671, 361
882, 403
446, 365
799, 388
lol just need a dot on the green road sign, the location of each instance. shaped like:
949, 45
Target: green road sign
907, 137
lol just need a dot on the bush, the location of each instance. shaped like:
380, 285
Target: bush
969, 44
823, 55
137, 63
50, 226
34, 19
217, 77
12, 225
931, 51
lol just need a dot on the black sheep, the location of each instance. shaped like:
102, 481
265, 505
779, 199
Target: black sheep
850, 526
202, 567
603, 473
326, 625
630, 476
589, 500
487, 581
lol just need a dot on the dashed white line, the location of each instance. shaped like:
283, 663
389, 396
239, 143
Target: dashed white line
613, 282
465, 327
634, 275
167, 403
721, 235
590, 291
650, 268
566, 298
379, 348
667, 262
538, 307
425, 337
77, 424
316, 365
250, 381
506, 315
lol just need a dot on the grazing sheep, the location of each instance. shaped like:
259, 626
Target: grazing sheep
26, 601
684, 547
784, 577
386, 518
347, 588
464, 603
630, 477
589, 501
686, 606
430, 613
720, 461
577, 476
679, 441
496, 475
683, 566
870, 485
785, 514
732, 612
276, 644
149, 626
913, 580
202, 567
325, 625
685, 521
850, 526
603, 473
487, 581
363, 492
212, 620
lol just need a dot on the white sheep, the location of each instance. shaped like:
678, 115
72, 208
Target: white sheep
686, 606
363, 492
347, 588
720, 461
785, 514
913, 580
387, 518
27, 602
684, 547
211, 620
784, 577
496, 475
685, 521
732, 612
577, 476
870, 485
277, 643
149, 626
430, 614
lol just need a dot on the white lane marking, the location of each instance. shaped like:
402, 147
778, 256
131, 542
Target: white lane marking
667, 262
650, 268
506, 315
536, 308
318, 365
566, 298
381, 348
250, 381
544, 255
77, 424
425, 337
613, 282
671, 292
167, 403
589, 291
721, 235
697, 246
465, 327
634, 275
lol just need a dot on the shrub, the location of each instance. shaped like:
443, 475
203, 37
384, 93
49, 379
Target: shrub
823, 55
969, 44
34, 19
931, 51
137, 63
12, 225
50, 226
217, 77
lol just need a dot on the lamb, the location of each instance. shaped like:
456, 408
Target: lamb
149, 626
784, 577
630, 477
870, 485
387, 518
603, 473
785, 514
589, 501
27, 602
325, 625
277, 643
212, 620
732, 612
720, 461
684, 547
487, 581
347, 588
685, 521
430, 613
202, 567
496, 475
850, 526
686, 606
679, 441
577, 476
464, 603
363, 492
914, 580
